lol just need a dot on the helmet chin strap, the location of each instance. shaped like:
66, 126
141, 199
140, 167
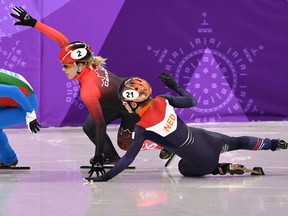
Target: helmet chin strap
78, 70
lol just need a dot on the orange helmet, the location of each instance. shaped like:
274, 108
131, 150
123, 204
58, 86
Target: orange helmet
134, 89
75, 52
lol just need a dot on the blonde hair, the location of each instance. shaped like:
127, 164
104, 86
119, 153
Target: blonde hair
96, 61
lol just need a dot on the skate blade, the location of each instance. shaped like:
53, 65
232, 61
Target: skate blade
169, 160
106, 167
16, 168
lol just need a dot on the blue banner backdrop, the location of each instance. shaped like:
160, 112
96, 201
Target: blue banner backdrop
232, 55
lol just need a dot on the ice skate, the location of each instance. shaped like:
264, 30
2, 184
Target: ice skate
282, 144
111, 160
165, 154
4, 165
229, 168
12, 166
106, 160
237, 169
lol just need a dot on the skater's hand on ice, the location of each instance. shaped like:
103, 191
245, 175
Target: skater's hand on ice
97, 166
24, 18
32, 123
103, 178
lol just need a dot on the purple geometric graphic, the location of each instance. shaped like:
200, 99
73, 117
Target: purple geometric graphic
214, 94
234, 64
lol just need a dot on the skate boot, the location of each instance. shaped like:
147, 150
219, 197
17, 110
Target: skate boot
111, 160
282, 144
8, 165
165, 154
106, 160
224, 168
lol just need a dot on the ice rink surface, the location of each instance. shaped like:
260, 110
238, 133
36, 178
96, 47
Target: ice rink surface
54, 185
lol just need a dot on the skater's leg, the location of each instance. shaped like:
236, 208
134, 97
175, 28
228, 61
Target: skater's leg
253, 143
229, 143
7, 154
110, 154
90, 130
9, 117
12, 116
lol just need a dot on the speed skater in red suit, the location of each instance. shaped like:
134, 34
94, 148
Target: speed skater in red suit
98, 90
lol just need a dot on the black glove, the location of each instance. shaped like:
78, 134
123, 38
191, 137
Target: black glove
34, 126
23, 16
97, 166
103, 178
168, 80
32, 123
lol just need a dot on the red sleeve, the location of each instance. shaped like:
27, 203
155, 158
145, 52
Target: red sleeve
52, 33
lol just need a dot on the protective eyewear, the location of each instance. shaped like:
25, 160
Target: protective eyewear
66, 66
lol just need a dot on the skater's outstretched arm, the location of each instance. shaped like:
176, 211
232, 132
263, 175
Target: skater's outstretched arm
126, 160
185, 99
26, 20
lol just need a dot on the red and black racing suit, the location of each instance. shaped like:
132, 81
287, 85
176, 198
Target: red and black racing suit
198, 149
99, 92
